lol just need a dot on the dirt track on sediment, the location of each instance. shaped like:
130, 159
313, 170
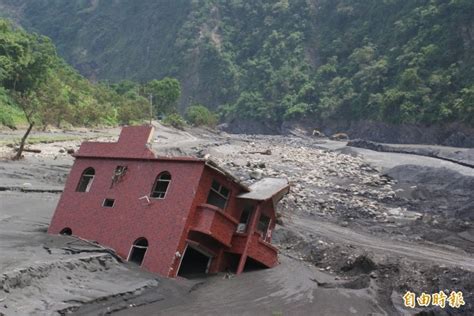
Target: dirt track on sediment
422, 253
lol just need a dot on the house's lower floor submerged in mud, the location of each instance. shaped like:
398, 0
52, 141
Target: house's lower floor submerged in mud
173, 216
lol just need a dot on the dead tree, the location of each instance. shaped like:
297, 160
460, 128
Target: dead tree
23, 141
24, 102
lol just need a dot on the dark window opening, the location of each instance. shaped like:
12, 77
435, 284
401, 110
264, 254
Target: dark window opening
119, 173
244, 219
108, 203
138, 251
86, 180
253, 265
66, 231
161, 185
218, 195
194, 263
263, 224
232, 261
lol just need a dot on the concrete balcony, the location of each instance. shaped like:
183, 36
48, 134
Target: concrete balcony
238, 243
258, 249
210, 220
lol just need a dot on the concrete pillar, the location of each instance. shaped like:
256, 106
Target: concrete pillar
250, 231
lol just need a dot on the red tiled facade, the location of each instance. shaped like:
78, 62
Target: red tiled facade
182, 219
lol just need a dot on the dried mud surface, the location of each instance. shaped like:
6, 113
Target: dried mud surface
358, 229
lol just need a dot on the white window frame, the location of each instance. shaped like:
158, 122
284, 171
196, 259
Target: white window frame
161, 180
89, 183
220, 194
131, 249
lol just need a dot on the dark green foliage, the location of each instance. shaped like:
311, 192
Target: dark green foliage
35, 82
133, 111
388, 60
199, 115
165, 94
175, 120
397, 61
9, 114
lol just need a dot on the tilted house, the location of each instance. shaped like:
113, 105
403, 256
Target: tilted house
172, 216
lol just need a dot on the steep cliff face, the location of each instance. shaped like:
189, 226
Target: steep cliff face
109, 39
395, 61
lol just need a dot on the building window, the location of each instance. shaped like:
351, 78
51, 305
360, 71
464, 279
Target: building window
263, 224
86, 180
244, 219
108, 203
66, 231
138, 251
161, 185
218, 195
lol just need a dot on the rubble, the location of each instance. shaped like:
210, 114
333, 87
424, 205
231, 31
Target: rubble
256, 174
317, 133
360, 191
339, 136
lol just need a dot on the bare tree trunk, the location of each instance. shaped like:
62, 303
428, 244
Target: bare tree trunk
22, 143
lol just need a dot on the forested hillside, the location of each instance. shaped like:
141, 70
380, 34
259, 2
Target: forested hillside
385, 60
37, 87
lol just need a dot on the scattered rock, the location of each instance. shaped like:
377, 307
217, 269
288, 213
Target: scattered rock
362, 143
359, 264
339, 136
222, 127
317, 133
256, 174
395, 211
265, 152
360, 282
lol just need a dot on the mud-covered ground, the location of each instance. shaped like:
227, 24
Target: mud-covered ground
358, 229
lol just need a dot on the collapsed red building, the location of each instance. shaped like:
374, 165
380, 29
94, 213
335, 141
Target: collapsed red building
173, 216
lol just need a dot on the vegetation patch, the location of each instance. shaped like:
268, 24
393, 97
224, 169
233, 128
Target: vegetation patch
38, 88
199, 115
174, 120
393, 61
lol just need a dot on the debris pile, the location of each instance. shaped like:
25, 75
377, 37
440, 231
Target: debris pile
322, 182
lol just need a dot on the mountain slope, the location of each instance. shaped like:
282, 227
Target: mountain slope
393, 60
37, 87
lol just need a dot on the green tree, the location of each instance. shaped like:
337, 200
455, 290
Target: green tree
199, 115
394, 60
54, 107
28, 60
133, 111
35, 81
165, 94
175, 120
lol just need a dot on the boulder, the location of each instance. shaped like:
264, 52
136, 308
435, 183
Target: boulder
317, 133
256, 174
339, 136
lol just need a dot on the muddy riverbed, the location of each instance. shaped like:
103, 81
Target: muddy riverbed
358, 230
